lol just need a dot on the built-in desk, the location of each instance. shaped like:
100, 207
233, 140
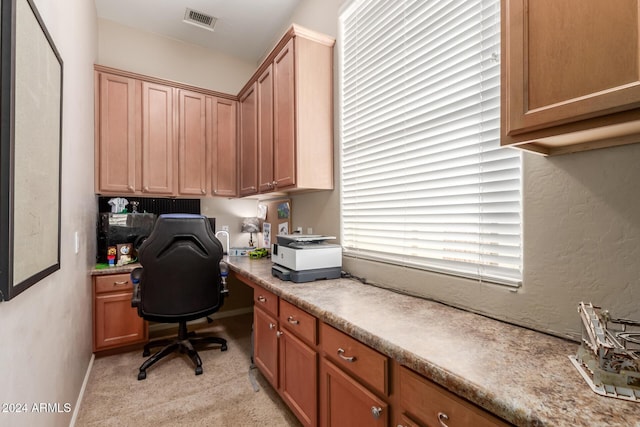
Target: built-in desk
522, 376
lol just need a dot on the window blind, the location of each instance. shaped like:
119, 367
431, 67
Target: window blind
425, 183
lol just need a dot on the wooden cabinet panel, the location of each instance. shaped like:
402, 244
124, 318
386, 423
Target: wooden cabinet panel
116, 134
299, 377
570, 74
266, 300
284, 120
115, 323
356, 358
298, 321
265, 130
157, 139
346, 403
224, 147
405, 421
266, 345
288, 363
295, 113
248, 170
192, 144
432, 405
113, 282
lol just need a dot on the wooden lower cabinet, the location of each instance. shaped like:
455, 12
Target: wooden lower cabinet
298, 377
286, 361
431, 405
344, 402
115, 323
265, 352
330, 379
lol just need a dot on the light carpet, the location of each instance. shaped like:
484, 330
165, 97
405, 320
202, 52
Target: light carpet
172, 395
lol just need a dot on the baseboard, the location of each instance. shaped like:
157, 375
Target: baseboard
158, 327
76, 409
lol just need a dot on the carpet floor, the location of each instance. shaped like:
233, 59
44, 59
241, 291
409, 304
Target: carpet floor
172, 395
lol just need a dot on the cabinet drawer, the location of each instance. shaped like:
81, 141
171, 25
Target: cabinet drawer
266, 300
113, 282
351, 355
431, 404
298, 321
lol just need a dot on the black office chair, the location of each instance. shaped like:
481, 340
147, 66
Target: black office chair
179, 281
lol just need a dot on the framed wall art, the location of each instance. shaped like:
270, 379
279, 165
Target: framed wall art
30, 149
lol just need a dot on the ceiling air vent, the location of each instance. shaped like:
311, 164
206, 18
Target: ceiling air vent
199, 19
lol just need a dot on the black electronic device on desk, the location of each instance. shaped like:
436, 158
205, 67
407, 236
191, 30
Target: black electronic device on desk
306, 258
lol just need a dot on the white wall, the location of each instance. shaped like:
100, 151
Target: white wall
46, 331
581, 227
157, 56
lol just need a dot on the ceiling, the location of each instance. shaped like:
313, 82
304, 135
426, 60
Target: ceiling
244, 28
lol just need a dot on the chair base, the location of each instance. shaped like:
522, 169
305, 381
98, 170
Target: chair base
184, 343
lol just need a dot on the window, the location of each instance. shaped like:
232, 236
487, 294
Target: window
425, 183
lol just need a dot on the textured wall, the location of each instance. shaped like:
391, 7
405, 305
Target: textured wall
46, 330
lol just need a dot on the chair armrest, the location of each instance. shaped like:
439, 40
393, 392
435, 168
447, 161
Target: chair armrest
136, 275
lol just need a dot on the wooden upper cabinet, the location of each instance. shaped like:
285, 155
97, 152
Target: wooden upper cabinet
264, 86
224, 147
570, 74
115, 134
192, 144
248, 169
284, 149
157, 139
295, 113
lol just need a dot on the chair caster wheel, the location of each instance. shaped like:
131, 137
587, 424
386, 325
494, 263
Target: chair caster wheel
142, 375
198, 370
223, 347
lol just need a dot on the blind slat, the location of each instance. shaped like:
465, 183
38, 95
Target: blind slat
424, 181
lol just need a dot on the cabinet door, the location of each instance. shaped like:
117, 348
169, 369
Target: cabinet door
248, 143
284, 117
432, 405
265, 348
346, 403
567, 61
157, 139
116, 137
223, 122
116, 322
192, 144
299, 377
265, 130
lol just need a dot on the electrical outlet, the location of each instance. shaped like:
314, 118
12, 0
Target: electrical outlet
225, 228
309, 230
76, 242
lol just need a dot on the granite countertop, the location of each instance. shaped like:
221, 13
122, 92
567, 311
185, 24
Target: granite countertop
518, 374
127, 268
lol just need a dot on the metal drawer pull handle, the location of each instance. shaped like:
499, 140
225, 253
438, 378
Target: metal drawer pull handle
292, 321
121, 282
262, 299
279, 334
442, 417
348, 359
272, 325
376, 411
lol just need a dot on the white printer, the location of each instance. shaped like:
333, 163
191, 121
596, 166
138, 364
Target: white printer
305, 258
